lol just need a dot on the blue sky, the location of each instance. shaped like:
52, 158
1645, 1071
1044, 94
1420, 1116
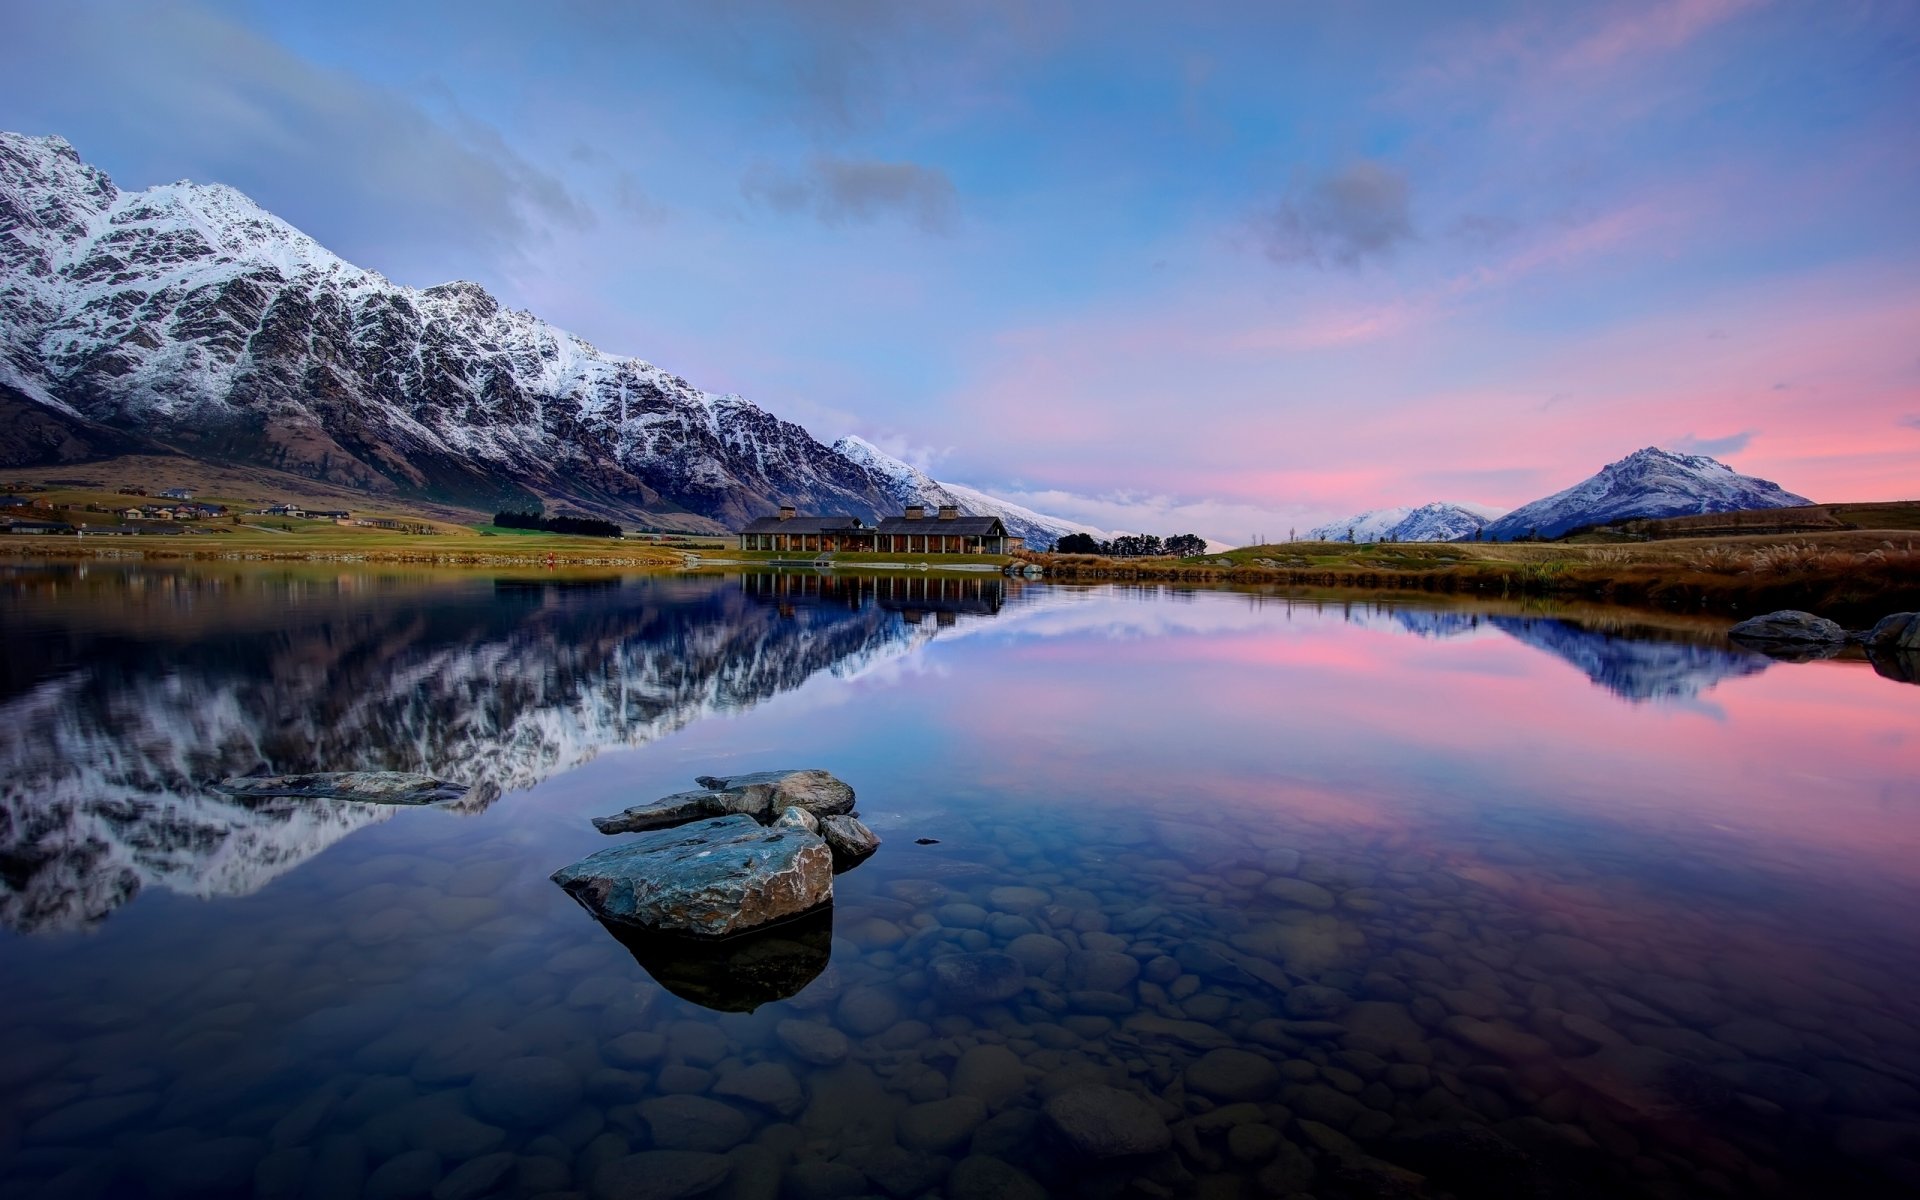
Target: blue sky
1226, 267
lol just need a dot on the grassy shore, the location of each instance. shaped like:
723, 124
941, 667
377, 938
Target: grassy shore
1853, 576
317, 541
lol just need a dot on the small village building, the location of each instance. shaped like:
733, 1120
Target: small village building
132, 514
331, 514
177, 494
15, 502
36, 527
286, 510
911, 533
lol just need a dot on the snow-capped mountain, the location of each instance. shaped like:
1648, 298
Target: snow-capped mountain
1442, 521
188, 316
1646, 483
907, 484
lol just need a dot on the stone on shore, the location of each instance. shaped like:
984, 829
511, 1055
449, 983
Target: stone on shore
713, 878
1788, 626
1900, 631
814, 790
368, 787
848, 838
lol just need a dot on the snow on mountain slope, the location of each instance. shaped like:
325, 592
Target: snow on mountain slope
906, 484
1442, 521
1646, 483
188, 314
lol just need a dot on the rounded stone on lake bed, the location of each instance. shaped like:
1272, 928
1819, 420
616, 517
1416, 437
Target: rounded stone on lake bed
525, 1092
1105, 1122
978, 978
812, 1042
1233, 1074
660, 1175
1298, 891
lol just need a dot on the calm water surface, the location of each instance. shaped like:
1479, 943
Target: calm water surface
1341, 900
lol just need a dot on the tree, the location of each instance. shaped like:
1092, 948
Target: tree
1079, 543
1186, 545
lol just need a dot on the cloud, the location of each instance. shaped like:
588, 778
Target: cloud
842, 191
1345, 217
161, 92
1229, 522
1732, 443
1911, 421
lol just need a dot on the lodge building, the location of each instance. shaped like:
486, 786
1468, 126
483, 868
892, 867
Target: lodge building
911, 533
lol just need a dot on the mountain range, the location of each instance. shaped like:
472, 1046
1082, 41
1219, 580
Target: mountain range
1441, 521
1647, 483
187, 319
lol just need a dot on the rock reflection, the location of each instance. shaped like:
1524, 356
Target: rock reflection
736, 974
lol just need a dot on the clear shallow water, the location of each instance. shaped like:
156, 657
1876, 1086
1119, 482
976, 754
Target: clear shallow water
1352, 900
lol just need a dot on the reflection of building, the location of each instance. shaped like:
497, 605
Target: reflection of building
912, 533
912, 596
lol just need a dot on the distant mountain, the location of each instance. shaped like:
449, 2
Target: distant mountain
186, 317
1438, 522
905, 484
1646, 483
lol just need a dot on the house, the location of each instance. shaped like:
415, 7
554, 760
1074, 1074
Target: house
911, 533
15, 502
177, 494
132, 514
948, 533
37, 527
286, 510
331, 514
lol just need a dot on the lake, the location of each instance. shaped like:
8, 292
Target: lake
1340, 898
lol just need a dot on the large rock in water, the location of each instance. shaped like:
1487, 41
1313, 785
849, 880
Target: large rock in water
767, 792
663, 813
1788, 626
709, 879
370, 787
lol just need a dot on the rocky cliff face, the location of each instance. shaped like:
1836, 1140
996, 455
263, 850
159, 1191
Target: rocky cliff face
188, 315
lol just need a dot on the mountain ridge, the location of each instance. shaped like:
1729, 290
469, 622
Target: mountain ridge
189, 316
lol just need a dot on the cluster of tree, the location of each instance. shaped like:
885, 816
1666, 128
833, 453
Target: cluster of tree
577, 526
1133, 545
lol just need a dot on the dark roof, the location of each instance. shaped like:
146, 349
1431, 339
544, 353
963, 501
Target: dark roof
831, 523
967, 526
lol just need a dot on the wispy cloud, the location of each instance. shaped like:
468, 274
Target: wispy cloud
841, 191
1342, 218
1911, 421
1713, 447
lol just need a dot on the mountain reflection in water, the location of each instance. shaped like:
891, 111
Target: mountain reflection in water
114, 727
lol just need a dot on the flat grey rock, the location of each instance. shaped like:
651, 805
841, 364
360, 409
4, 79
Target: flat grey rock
713, 878
664, 813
